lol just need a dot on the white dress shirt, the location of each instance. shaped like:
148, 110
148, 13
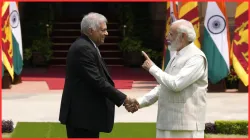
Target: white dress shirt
96, 47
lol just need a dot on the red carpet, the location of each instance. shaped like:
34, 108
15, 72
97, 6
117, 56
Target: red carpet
123, 77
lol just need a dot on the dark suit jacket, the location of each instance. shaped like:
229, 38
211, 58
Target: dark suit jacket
89, 97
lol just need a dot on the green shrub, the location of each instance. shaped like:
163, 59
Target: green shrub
232, 127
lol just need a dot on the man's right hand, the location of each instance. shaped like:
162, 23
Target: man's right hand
131, 105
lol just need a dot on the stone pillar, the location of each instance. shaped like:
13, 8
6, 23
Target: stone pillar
21, 7
158, 16
58, 10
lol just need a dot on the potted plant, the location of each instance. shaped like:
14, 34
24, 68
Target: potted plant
155, 56
131, 48
242, 87
41, 51
27, 54
6, 79
130, 45
232, 80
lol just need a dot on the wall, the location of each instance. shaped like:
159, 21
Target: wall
79, 9
158, 10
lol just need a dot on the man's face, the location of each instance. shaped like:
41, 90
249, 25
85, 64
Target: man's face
173, 39
98, 35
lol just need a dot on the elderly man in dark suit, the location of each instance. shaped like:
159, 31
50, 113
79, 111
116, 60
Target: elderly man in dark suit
89, 96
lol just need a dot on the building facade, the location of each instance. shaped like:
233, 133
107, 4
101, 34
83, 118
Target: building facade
70, 14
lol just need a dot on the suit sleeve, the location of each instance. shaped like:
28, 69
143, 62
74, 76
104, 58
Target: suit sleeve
90, 71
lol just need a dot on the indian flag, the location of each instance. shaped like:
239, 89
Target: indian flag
16, 38
216, 41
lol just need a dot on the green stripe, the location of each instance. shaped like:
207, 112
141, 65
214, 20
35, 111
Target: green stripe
217, 67
2, 70
166, 58
17, 59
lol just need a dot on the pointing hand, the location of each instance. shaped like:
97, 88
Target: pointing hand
147, 63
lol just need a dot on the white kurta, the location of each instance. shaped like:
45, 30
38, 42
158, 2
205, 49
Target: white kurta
192, 71
181, 95
179, 134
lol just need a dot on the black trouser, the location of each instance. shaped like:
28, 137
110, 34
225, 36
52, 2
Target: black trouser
80, 133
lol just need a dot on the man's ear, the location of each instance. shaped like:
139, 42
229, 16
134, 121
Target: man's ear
183, 35
90, 31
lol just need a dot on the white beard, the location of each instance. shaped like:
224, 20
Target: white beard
171, 48
174, 44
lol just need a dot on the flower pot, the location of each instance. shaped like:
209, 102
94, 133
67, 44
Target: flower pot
218, 87
133, 59
38, 59
27, 63
242, 87
232, 84
6, 80
17, 79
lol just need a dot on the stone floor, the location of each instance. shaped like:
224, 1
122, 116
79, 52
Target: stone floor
34, 102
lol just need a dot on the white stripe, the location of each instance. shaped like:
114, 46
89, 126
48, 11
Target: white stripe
172, 13
174, 19
220, 40
17, 30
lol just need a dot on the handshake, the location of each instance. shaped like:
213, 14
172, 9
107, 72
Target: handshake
131, 105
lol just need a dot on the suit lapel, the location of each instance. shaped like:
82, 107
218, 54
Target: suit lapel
105, 68
100, 60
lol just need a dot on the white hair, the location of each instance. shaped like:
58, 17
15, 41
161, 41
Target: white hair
187, 28
92, 20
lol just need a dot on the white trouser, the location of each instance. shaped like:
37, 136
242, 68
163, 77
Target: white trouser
179, 134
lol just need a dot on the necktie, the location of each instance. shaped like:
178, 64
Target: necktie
98, 51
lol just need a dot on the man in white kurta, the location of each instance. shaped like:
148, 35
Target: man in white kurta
182, 89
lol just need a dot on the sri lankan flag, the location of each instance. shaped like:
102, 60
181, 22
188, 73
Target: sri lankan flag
189, 11
172, 15
239, 53
11, 39
7, 47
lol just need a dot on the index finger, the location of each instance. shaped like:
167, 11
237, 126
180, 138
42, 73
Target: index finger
145, 55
